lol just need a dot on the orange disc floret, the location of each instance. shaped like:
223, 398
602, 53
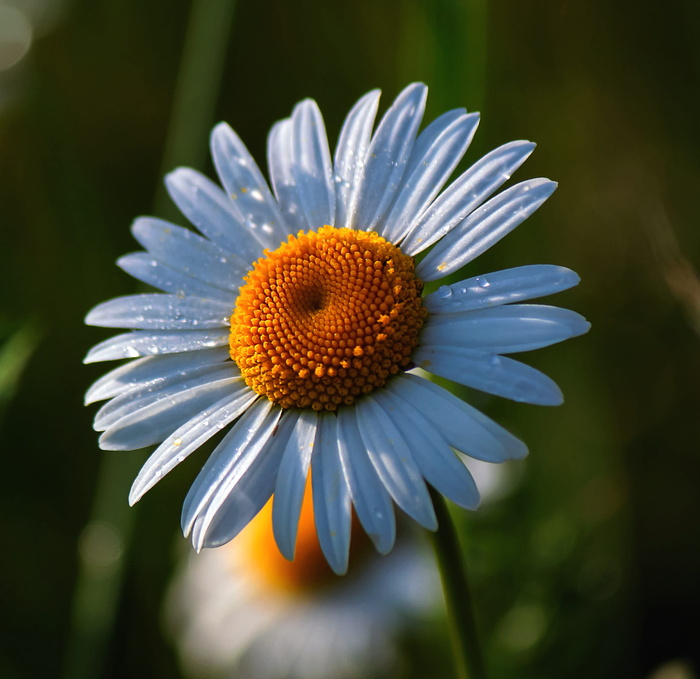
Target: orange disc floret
328, 316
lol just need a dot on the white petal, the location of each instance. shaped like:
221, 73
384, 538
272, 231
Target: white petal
150, 369
351, 155
437, 151
152, 271
232, 508
501, 287
188, 252
464, 427
312, 170
465, 194
161, 388
436, 460
230, 460
291, 482
156, 311
213, 213
280, 161
246, 185
331, 495
504, 329
189, 437
148, 343
369, 496
157, 420
388, 156
490, 373
393, 461
484, 227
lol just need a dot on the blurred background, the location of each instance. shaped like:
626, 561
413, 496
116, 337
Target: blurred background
585, 562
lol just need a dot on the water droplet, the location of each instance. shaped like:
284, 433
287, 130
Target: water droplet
177, 442
444, 292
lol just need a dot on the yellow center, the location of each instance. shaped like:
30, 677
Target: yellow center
328, 316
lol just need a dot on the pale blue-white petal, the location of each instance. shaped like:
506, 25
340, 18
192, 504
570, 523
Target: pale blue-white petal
369, 496
464, 427
466, 193
191, 436
312, 169
504, 329
227, 466
437, 151
438, 463
234, 506
162, 388
493, 374
152, 271
150, 370
393, 461
157, 419
150, 343
228, 515
388, 156
154, 311
245, 184
206, 205
500, 287
280, 161
190, 253
484, 227
230, 461
350, 156
291, 482
330, 495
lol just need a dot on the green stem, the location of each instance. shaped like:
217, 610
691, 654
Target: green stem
458, 598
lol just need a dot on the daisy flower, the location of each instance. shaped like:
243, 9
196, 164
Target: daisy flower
295, 321
244, 611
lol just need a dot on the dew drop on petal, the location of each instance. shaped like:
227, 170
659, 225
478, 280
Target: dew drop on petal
444, 292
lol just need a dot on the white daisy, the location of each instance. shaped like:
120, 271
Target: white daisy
244, 611
294, 321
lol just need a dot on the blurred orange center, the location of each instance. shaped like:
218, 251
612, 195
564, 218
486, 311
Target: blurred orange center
325, 318
309, 570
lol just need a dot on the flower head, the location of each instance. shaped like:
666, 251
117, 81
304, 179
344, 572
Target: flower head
295, 322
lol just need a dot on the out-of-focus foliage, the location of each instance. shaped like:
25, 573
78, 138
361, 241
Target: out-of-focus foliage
588, 565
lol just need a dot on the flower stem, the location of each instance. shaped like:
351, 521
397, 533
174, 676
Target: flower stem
458, 598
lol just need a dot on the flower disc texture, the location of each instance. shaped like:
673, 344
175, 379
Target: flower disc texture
294, 321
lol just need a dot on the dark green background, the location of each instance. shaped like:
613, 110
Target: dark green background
600, 541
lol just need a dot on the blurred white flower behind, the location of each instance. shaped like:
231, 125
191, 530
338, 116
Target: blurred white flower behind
242, 610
